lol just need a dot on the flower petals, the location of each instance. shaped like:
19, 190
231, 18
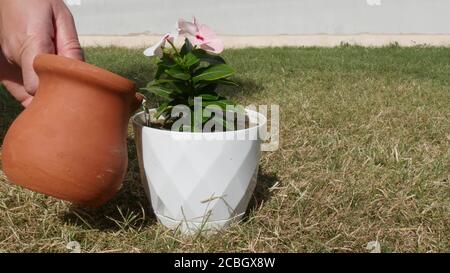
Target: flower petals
186, 27
215, 46
157, 49
200, 35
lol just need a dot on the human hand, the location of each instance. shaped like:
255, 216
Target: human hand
29, 28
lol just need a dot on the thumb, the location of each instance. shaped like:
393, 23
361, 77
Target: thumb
33, 46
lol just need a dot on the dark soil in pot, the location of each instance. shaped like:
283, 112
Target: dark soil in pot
164, 124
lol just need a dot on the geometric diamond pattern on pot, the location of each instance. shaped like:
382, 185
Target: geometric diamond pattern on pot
193, 181
190, 185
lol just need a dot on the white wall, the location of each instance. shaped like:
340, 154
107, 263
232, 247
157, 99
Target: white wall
264, 17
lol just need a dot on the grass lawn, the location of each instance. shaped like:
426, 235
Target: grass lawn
364, 156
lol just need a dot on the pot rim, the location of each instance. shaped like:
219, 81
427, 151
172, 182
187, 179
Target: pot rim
258, 115
90, 73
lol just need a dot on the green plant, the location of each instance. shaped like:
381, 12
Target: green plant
188, 76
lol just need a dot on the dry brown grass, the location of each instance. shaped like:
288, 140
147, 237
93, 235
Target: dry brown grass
365, 156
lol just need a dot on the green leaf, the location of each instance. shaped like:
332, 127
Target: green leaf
209, 58
174, 85
227, 82
177, 73
219, 103
186, 48
214, 73
161, 109
160, 71
159, 90
201, 66
206, 88
160, 81
190, 60
182, 87
167, 60
179, 61
208, 97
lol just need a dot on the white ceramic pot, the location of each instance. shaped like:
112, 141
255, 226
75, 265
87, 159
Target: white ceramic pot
199, 181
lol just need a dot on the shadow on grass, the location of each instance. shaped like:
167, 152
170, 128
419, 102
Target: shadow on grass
246, 87
262, 192
249, 84
130, 208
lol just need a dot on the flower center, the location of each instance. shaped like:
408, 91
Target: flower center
199, 37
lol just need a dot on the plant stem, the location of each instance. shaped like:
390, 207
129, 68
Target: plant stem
174, 48
146, 112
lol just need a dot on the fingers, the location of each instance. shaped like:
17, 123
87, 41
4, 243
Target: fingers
67, 43
33, 46
37, 27
18, 92
11, 77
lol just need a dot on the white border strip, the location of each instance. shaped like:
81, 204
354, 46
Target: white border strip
321, 40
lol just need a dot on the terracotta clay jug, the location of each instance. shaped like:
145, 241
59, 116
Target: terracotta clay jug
70, 142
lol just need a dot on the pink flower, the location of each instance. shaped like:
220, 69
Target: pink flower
157, 49
200, 35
